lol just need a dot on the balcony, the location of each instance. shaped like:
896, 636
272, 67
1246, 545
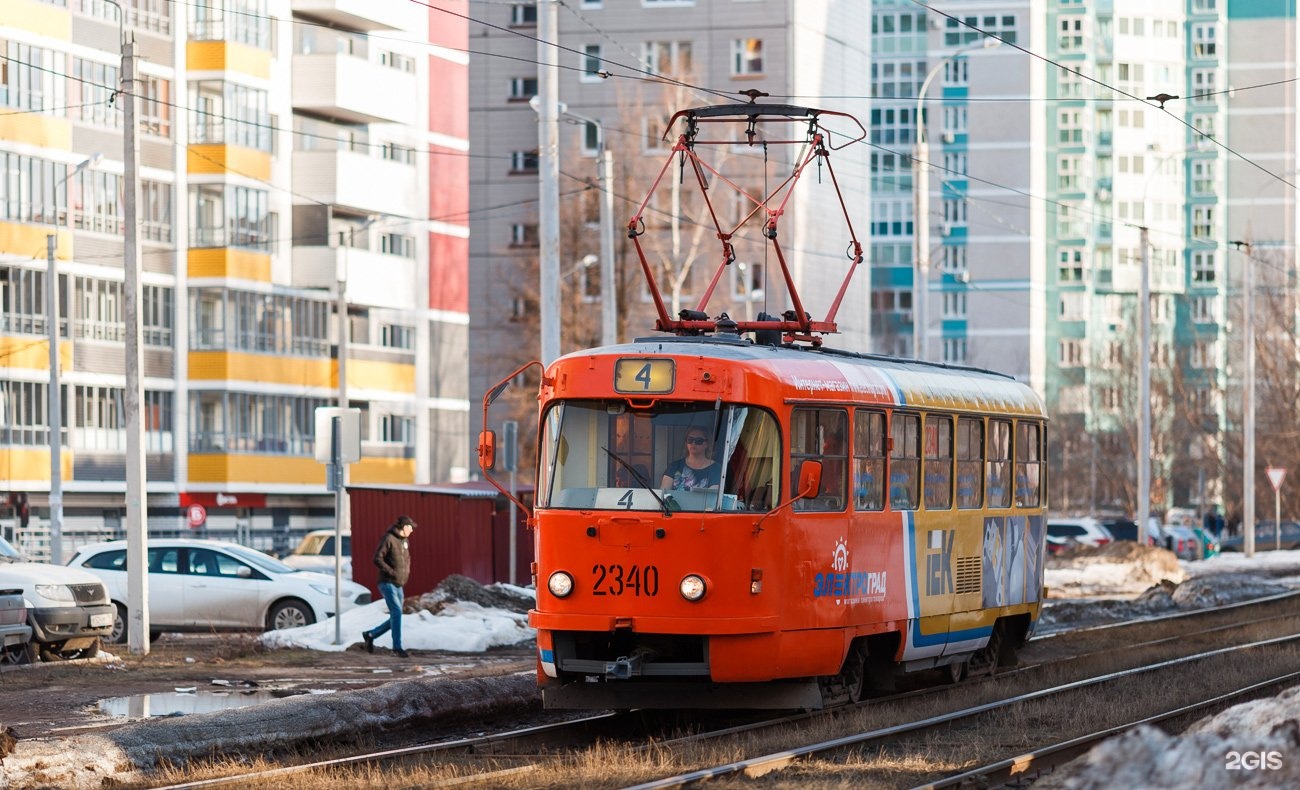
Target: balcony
343, 87
364, 14
374, 279
369, 184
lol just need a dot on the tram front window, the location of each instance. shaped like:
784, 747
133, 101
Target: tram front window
691, 457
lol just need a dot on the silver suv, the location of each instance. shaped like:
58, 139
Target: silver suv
67, 608
1067, 532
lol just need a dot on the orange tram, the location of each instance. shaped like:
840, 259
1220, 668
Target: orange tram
734, 522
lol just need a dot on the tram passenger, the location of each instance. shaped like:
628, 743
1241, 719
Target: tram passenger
696, 469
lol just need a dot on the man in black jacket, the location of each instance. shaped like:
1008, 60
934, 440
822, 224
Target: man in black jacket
393, 559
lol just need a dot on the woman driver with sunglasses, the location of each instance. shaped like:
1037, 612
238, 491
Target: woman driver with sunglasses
697, 469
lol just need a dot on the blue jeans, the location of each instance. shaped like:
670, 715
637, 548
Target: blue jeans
393, 596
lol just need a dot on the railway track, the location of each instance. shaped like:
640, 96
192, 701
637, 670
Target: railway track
1055, 665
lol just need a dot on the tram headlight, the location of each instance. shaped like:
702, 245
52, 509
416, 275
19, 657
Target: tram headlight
560, 584
692, 587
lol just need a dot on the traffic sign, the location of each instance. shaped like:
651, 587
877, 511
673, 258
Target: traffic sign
197, 515
1276, 474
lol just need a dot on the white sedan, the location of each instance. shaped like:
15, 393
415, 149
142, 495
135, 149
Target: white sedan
207, 585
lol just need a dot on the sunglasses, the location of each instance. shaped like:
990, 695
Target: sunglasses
696, 440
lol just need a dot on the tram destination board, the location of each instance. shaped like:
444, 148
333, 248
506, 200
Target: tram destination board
644, 376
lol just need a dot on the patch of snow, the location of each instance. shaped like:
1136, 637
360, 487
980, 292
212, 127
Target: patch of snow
460, 616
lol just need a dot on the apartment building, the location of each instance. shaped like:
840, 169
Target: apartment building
625, 67
286, 150
1047, 159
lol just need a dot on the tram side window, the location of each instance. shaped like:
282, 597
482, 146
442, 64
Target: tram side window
905, 462
1029, 464
819, 435
938, 462
970, 463
999, 464
868, 460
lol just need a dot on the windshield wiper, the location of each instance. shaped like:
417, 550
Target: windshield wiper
640, 478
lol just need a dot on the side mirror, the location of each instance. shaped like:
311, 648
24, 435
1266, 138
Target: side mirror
487, 450
810, 478
244, 572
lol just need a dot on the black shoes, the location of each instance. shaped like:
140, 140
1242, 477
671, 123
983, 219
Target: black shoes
369, 640
401, 654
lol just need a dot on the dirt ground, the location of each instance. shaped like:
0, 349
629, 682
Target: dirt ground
63, 698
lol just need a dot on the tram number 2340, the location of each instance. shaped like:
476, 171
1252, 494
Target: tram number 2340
630, 579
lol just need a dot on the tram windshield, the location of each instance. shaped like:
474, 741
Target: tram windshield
693, 457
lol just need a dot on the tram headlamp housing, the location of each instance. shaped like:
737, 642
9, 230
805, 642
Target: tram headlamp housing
693, 587
560, 584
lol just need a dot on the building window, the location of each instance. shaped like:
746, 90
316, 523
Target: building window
1069, 223
746, 57
228, 216
1073, 353
156, 211
1069, 84
229, 113
669, 58
954, 214
155, 106
523, 88
1069, 126
523, 162
954, 162
32, 189
158, 315
1203, 40
242, 21
1203, 177
32, 79
952, 259
1068, 169
523, 235
1204, 354
1204, 86
95, 200
1204, 123
593, 66
955, 33
892, 126
91, 89
1203, 267
1205, 310
954, 304
523, 14
954, 121
1071, 34
1203, 222
397, 244
954, 350
396, 429
397, 336
897, 79
1074, 305
1070, 269
956, 72
100, 313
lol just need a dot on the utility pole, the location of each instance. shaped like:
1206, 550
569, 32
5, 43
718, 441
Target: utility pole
1144, 384
548, 164
56, 401
1248, 407
137, 506
608, 324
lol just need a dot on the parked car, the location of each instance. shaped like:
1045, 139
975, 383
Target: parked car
1209, 543
1265, 537
1183, 542
1065, 532
205, 585
316, 553
15, 634
67, 608
1125, 529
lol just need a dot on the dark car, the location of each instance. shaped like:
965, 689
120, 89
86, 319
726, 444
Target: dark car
1265, 537
1123, 529
15, 633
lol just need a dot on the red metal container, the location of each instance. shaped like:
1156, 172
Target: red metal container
462, 528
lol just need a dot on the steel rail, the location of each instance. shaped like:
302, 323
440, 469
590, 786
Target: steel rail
757, 766
1040, 761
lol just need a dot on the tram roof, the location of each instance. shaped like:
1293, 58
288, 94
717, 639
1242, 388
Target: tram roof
913, 382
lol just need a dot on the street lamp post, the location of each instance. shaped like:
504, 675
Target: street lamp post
56, 394
608, 318
921, 208
1248, 407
